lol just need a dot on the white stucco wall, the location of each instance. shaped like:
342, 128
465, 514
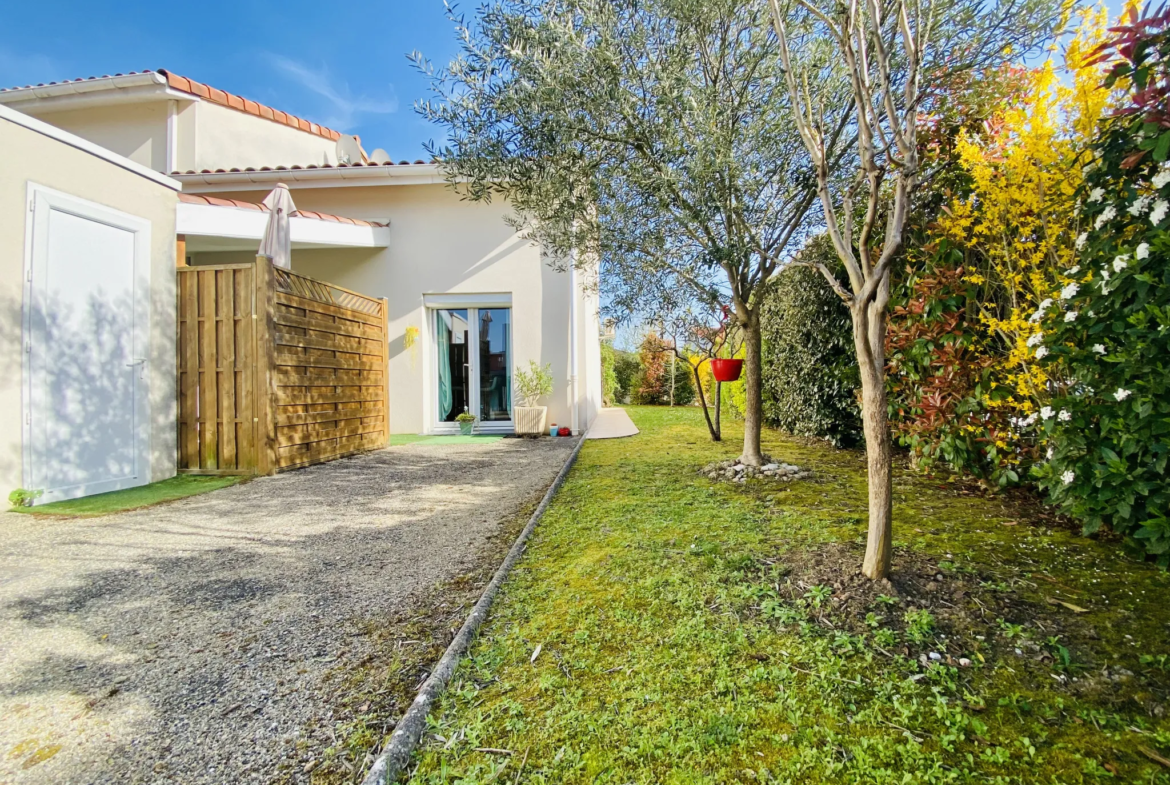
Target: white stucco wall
28, 156
589, 337
137, 131
227, 138
440, 245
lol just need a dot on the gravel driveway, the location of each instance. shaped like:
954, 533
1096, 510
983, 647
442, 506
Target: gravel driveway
188, 643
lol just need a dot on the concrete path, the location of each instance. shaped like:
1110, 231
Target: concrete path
189, 643
612, 424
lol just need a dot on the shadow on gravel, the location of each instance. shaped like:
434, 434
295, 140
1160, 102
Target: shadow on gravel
212, 625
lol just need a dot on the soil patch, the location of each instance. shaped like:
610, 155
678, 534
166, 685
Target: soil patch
934, 613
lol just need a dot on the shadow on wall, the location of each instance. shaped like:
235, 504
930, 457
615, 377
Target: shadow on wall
84, 383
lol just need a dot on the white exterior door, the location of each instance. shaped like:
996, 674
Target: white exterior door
87, 427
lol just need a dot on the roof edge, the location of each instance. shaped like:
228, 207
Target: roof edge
87, 84
162, 78
320, 177
236, 204
216, 96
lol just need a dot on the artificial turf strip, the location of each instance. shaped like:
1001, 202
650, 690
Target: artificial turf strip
673, 649
178, 487
399, 439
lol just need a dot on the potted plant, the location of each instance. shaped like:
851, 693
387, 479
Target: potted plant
466, 422
531, 386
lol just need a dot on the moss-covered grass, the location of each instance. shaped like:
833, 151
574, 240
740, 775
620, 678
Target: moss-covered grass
680, 640
179, 487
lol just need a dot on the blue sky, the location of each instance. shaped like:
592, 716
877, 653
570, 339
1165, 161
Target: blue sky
341, 65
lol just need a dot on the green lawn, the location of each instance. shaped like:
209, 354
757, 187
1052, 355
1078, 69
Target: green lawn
179, 487
699, 632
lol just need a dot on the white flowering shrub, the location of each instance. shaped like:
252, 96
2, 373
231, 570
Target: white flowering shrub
1107, 340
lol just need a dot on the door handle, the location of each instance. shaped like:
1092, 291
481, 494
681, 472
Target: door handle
136, 362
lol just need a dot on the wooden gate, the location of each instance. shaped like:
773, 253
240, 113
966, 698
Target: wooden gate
218, 369
276, 370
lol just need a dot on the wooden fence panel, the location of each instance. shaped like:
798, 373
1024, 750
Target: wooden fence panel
216, 368
330, 370
276, 370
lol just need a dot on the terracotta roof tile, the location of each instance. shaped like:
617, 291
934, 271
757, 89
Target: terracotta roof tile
215, 95
216, 201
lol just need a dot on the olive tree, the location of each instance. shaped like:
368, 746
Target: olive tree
890, 54
651, 137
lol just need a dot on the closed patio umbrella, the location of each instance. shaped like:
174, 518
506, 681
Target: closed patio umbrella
277, 243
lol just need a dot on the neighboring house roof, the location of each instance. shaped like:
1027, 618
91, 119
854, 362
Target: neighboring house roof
293, 167
215, 201
311, 176
184, 85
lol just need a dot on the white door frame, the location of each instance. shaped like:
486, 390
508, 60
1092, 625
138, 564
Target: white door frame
41, 201
471, 303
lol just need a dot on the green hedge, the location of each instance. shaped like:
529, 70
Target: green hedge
810, 377
627, 372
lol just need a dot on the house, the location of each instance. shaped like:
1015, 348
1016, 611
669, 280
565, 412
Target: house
469, 301
87, 303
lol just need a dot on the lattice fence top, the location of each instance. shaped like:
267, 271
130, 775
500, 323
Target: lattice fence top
302, 286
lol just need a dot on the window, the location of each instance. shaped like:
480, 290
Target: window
474, 363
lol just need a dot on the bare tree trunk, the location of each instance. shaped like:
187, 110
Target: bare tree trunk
718, 409
673, 371
714, 429
869, 337
752, 378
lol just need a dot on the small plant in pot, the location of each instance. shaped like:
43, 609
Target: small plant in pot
466, 422
531, 386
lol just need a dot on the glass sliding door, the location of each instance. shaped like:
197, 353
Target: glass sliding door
474, 366
453, 335
495, 366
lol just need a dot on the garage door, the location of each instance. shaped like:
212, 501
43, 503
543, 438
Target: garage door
87, 429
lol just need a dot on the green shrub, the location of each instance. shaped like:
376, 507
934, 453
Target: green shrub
810, 373
656, 360
23, 498
627, 371
534, 383
609, 380
1108, 425
947, 404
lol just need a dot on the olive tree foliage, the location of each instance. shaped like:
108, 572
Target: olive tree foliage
651, 137
891, 53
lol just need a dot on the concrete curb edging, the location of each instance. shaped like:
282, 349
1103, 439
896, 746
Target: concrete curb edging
389, 765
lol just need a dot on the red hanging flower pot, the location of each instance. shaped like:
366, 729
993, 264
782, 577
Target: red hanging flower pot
725, 370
